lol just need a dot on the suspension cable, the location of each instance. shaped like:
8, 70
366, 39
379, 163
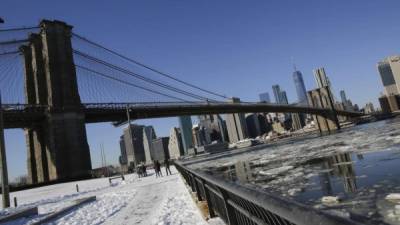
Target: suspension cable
128, 83
19, 29
130, 73
148, 67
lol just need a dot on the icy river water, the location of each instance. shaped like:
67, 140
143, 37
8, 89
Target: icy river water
359, 166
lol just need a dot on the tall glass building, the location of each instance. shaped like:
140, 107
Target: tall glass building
388, 77
320, 78
343, 96
284, 99
185, 123
264, 97
277, 93
300, 88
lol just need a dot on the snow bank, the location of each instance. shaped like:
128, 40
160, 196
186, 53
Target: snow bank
99, 211
142, 201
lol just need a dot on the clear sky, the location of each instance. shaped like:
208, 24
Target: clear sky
239, 48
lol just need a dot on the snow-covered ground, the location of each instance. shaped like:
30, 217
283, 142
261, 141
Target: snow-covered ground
148, 200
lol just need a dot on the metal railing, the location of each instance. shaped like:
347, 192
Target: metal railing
238, 205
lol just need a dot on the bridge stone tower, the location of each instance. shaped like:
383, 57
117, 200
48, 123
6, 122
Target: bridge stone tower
322, 98
57, 147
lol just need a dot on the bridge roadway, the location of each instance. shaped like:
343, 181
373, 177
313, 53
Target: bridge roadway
22, 116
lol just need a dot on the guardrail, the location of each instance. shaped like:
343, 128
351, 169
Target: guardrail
238, 205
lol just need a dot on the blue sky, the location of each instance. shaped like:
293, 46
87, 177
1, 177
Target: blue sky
239, 48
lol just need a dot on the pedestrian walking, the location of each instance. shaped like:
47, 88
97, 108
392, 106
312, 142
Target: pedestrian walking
166, 163
144, 170
159, 168
155, 168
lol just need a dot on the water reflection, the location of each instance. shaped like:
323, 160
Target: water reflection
340, 165
241, 171
364, 172
332, 171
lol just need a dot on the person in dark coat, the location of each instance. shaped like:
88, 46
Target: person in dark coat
144, 172
158, 165
166, 163
155, 167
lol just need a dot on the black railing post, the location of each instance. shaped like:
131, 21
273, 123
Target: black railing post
230, 211
192, 182
196, 185
208, 200
239, 206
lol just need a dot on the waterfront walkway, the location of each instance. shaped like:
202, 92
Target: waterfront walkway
148, 200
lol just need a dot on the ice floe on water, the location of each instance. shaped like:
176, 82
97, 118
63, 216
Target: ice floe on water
355, 171
276, 171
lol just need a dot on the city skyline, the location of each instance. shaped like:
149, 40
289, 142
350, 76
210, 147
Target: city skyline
256, 63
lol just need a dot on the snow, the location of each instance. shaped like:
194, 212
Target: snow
330, 199
276, 171
147, 200
393, 197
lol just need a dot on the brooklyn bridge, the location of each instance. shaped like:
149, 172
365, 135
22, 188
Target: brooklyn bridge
54, 81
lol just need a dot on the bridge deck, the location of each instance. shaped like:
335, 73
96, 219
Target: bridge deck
20, 116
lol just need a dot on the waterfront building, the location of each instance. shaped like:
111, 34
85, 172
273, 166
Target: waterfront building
175, 145
297, 121
321, 78
356, 108
206, 126
265, 125
200, 136
300, 88
185, 124
384, 103
264, 97
278, 127
348, 105
133, 139
160, 149
343, 96
394, 102
236, 125
389, 71
284, 99
148, 136
222, 128
369, 108
277, 93
215, 129
253, 125
212, 148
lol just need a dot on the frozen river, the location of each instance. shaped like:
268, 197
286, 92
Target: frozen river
359, 167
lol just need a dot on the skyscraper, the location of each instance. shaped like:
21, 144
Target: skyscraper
277, 93
253, 125
133, 138
389, 69
394, 62
175, 145
185, 123
297, 121
300, 88
320, 78
148, 136
264, 97
343, 97
284, 99
236, 125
